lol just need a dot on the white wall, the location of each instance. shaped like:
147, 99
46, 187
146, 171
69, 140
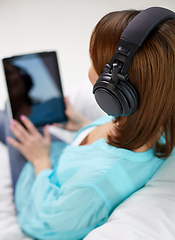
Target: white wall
62, 25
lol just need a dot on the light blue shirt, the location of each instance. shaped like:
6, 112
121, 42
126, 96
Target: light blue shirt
85, 185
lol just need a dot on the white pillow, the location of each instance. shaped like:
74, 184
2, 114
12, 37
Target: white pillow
147, 214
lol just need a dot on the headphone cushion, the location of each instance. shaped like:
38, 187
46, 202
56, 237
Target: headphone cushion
108, 102
130, 94
121, 100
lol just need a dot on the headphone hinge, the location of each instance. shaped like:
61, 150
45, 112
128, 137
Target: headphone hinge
123, 77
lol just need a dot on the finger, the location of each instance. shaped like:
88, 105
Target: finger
19, 131
59, 125
13, 142
46, 133
29, 125
67, 102
66, 99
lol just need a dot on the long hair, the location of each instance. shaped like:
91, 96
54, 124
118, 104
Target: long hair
152, 72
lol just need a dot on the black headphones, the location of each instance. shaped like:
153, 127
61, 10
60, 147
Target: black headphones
113, 91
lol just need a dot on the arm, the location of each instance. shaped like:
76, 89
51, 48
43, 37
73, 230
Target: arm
52, 212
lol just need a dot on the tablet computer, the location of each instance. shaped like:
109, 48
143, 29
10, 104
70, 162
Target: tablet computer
34, 87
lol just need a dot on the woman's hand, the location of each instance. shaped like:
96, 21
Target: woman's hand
75, 119
31, 143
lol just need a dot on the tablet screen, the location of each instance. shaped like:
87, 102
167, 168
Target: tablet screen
34, 87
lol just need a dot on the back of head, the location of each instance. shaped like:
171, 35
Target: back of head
151, 71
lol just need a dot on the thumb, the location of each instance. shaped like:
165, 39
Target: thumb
46, 133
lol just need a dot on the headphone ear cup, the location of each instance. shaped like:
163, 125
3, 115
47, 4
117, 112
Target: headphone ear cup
121, 100
107, 100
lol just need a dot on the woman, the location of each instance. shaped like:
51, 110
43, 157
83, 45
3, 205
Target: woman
65, 192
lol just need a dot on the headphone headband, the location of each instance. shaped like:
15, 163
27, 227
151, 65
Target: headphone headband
136, 32
141, 26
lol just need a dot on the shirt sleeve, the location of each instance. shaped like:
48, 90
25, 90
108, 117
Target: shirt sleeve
67, 212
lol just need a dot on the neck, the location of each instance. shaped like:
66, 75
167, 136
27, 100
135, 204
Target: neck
149, 144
